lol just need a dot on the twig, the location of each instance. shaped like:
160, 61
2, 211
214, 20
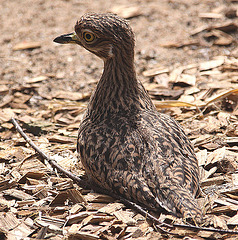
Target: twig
160, 225
197, 228
136, 207
52, 162
133, 205
147, 215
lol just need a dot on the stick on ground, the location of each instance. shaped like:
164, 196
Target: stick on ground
52, 162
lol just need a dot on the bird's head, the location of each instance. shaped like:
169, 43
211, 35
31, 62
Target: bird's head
105, 35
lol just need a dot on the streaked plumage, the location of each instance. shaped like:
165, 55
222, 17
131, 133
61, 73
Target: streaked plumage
125, 145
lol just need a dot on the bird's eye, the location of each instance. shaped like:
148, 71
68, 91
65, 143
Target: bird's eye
88, 36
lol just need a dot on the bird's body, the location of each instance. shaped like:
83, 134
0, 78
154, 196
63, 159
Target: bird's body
125, 145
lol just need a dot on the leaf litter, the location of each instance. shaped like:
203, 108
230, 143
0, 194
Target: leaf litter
62, 206
38, 202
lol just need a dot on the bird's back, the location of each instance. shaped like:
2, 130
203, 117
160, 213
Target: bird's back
145, 157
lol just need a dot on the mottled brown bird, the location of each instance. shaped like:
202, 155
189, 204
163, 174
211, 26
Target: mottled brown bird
125, 145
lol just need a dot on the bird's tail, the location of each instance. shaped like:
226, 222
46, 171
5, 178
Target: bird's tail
184, 203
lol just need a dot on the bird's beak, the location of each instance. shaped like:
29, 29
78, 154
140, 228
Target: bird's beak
67, 38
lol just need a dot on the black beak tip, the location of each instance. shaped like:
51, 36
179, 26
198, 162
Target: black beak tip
58, 40
65, 38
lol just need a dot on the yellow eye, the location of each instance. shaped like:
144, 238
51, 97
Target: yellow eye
88, 36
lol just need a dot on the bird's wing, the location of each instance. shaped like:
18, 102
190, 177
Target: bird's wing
171, 164
152, 163
172, 153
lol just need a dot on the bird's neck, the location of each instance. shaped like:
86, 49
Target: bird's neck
118, 91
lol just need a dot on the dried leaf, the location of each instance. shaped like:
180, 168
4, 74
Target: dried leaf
32, 174
221, 38
76, 208
179, 44
93, 219
8, 221
17, 194
165, 93
187, 79
125, 217
6, 100
84, 236
210, 15
6, 184
78, 217
74, 96
76, 196
225, 27
221, 96
95, 197
169, 104
36, 79
204, 66
4, 89
127, 11
54, 223
224, 209
61, 139
233, 220
231, 140
202, 157
111, 208
213, 181
155, 71
6, 114
26, 46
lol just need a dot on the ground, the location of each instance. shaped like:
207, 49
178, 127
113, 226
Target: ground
185, 55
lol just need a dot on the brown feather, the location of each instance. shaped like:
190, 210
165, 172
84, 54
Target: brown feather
125, 145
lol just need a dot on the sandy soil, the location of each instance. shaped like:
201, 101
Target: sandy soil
160, 22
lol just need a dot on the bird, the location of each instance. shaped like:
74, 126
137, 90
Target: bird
126, 146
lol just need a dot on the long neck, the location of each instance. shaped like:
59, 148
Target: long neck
118, 91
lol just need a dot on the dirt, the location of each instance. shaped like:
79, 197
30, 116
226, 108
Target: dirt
69, 69
160, 22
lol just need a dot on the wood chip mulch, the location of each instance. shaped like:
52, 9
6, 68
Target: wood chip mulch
37, 202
